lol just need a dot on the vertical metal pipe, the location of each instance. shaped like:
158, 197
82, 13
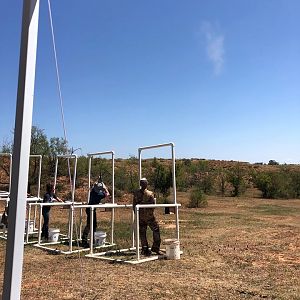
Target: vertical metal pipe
21, 152
40, 225
55, 173
132, 228
174, 191
89, 181
113, 176
39, 179
113, 198
140, 163
80, 223
137, 217
91, 229
177, 222
28, 222
71, 228
74, 180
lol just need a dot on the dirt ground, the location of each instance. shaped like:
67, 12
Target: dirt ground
245, 248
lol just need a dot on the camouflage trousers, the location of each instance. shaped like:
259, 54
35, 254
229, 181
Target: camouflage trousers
143, 224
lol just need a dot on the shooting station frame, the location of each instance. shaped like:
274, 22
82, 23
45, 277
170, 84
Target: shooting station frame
30, 225
135, 234
70, 204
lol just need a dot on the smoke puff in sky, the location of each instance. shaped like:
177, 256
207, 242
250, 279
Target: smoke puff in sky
214, 46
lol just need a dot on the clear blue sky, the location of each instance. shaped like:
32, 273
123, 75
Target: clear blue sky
220, 79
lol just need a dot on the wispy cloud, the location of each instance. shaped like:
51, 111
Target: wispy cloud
214, 46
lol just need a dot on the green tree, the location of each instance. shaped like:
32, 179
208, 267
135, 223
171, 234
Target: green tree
236, 179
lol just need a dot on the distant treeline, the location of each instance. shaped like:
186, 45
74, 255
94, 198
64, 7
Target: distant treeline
198, 176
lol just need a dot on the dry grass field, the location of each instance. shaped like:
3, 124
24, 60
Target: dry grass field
236, 248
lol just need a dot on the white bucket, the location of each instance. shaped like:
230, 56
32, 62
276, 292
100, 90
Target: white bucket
53, 234
100, 237
30, 226
172, 249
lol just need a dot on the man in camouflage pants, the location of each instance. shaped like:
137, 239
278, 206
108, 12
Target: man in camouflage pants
147, 218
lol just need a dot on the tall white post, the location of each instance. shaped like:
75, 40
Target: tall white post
20, 164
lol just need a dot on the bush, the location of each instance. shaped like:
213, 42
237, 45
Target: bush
274, 185
197, 198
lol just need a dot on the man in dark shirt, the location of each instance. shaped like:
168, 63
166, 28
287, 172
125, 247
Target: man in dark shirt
49, 197
97, 193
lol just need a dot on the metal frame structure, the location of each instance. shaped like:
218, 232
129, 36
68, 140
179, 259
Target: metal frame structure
135, 235
30, 199
77, 205
172, 146
91, 156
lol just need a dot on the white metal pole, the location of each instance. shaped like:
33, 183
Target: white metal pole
55, 173
91, 229
28, 222
113, 198
21, 151
140, 164
137, 232
89, 181
40, 224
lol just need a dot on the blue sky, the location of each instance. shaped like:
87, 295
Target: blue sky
220, 79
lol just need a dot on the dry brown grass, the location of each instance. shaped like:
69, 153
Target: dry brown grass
242, 248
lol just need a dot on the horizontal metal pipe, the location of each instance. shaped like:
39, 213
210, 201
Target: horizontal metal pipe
101, 153
156, 205
67, 155
157, 146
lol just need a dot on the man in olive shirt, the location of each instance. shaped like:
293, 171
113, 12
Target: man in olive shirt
147, 218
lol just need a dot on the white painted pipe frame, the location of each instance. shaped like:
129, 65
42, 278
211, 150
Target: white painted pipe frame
172, 145
137, 226
91, 156
39, 188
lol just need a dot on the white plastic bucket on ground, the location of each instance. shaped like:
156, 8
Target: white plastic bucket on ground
30, 226
53, 234
172, 249
100, 237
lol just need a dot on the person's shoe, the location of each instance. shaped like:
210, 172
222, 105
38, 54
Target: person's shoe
156, 251
85, 244
146, 251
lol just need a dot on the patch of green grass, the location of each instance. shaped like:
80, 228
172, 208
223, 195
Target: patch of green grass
277, 210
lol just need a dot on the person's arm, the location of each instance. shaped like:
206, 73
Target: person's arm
57, 198
106, 190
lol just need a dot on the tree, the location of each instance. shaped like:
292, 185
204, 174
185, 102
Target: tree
236, 179
273, 162
162, 180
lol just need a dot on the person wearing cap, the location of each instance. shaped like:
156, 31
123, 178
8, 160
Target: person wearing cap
98, 192
147, 218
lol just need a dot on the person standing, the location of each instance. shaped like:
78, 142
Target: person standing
49, 197
98, 192
147, 218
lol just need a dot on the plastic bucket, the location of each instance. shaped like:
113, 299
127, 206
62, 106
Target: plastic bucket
53, 234
172, 249
100, 237
30, 226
